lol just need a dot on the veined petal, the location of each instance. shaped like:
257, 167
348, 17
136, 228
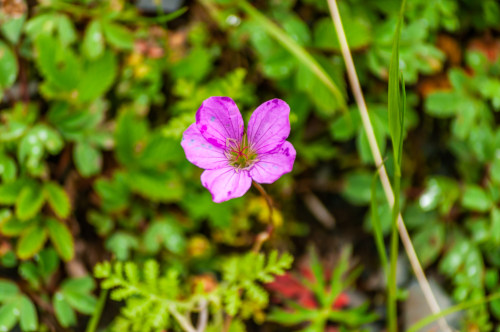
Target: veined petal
200, 152
269, 126
271, 166
218, 119
226, 183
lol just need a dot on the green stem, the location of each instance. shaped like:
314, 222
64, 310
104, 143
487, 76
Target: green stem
94, 320
392, 280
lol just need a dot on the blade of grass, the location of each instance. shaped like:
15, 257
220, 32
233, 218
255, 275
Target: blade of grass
377, 227
384, 178
448, 311
291, 45
294, 48
396, 119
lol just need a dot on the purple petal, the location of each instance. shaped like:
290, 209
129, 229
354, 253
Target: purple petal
269, 126
271, 166
226, 183
218, 119
200, 152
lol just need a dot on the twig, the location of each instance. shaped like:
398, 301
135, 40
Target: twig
203, 316
319, 210
182, 320
360, 101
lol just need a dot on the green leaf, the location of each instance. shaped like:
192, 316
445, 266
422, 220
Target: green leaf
476, 199
130, 130
104, 68
118, 36
167, 233
66, 30
10, 191
8, 66
294, 48
14, 227
83, 285
156, 185
81, 302
31, 242
8, 290
9, 314
28, 318
30, 201
57, 199
12, 28
429, 242
495, 226
93, 41
442, 104
65, 315
87, 158
61, 239
358, 32
58, 64
396, 101
8, 169
121, 243
114, 193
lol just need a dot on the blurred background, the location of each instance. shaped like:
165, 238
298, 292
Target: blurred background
95, 96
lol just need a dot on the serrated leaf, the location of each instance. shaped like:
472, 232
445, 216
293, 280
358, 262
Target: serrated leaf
28, 318
59, 65
57, 198
61, 238
93, 41
65, 315
30, 201
87, 158
105, 69
31, 242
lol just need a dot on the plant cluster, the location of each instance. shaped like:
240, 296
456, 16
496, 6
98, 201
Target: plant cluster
96, 192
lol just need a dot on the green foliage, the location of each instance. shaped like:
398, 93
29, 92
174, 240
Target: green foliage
15, 307
157, 300
326, 292
95, 96
243, 294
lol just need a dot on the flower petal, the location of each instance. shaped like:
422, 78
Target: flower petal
269, 126
226, 183
271, 166
200, 152
218, 119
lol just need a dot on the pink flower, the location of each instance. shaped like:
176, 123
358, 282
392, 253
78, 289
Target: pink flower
231, 157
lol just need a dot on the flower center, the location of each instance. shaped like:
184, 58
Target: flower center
239, 154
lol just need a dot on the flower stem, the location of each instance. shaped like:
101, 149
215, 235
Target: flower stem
384, 178
392, 282
264, 236
94, 320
